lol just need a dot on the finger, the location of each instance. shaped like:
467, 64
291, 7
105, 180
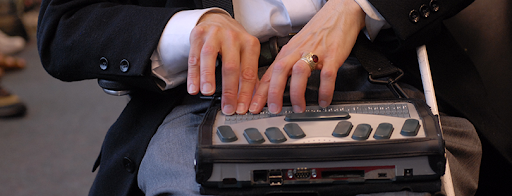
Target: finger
209, 53
248, 74
193, 74
280, 72
260, 95
327, 82
230, 76
298, 82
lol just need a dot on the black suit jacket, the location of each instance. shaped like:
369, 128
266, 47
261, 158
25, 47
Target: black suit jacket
89, 39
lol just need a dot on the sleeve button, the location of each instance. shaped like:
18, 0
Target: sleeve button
103, 63
414, 16
128, 165
434, 6
425, 11
125, 65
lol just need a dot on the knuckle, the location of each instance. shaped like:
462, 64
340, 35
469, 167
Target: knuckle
286, 47
265, 78
273, 92
229, 93
259, 96
296, 95
231, 34
243, 94
300, 69
253, 42
192, 61
328, 74
249, 75
229, 67
208, 50
279, 67
207, 72
192, 75
197, 32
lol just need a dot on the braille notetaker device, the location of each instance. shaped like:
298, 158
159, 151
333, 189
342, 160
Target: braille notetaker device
376, 146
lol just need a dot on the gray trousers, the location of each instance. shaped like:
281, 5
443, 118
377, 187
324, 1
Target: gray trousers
168, 165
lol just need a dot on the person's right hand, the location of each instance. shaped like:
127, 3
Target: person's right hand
219, 34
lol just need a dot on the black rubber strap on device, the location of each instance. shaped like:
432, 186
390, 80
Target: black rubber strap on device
380, 69
372, 59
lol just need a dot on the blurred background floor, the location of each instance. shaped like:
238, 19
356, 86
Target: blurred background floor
51, 150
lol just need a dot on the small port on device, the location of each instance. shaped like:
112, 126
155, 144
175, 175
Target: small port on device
343, 174
266, 177
229, 181
260, 176
408, 173
302, 173
275, 177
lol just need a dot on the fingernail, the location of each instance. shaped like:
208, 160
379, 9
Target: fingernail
241, 109
207, 88
228, 110
323, 104
297, 109
253, 107
192, 89
272, 108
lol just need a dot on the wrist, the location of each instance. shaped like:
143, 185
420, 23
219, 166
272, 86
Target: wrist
213, 15
349, 8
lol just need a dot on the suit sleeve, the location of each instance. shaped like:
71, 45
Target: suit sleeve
415, 22
87, 39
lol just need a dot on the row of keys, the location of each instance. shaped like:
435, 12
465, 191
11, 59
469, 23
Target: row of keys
342, 129
392, 109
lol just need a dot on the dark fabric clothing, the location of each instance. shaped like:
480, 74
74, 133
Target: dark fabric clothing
127, 140
90, 39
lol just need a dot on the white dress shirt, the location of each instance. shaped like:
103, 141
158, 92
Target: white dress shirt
263, 19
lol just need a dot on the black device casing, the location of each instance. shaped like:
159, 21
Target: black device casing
431, 146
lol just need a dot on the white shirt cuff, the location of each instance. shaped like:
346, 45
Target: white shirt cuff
169, 62
374, 21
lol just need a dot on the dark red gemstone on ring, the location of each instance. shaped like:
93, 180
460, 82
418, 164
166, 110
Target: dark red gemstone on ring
315, 58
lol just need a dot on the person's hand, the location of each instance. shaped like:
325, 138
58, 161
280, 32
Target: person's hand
330, 35
218, 34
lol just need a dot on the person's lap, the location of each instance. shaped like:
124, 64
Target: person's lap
168, 165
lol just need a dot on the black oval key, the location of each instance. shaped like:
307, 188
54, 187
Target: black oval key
275, 135
342, 129
253, 136
294, 131
410, 128
383, 131
362, 132
226, 134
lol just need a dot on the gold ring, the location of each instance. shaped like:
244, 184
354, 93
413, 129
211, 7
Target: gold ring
311, 59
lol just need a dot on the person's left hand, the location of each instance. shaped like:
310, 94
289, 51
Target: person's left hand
330, 35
